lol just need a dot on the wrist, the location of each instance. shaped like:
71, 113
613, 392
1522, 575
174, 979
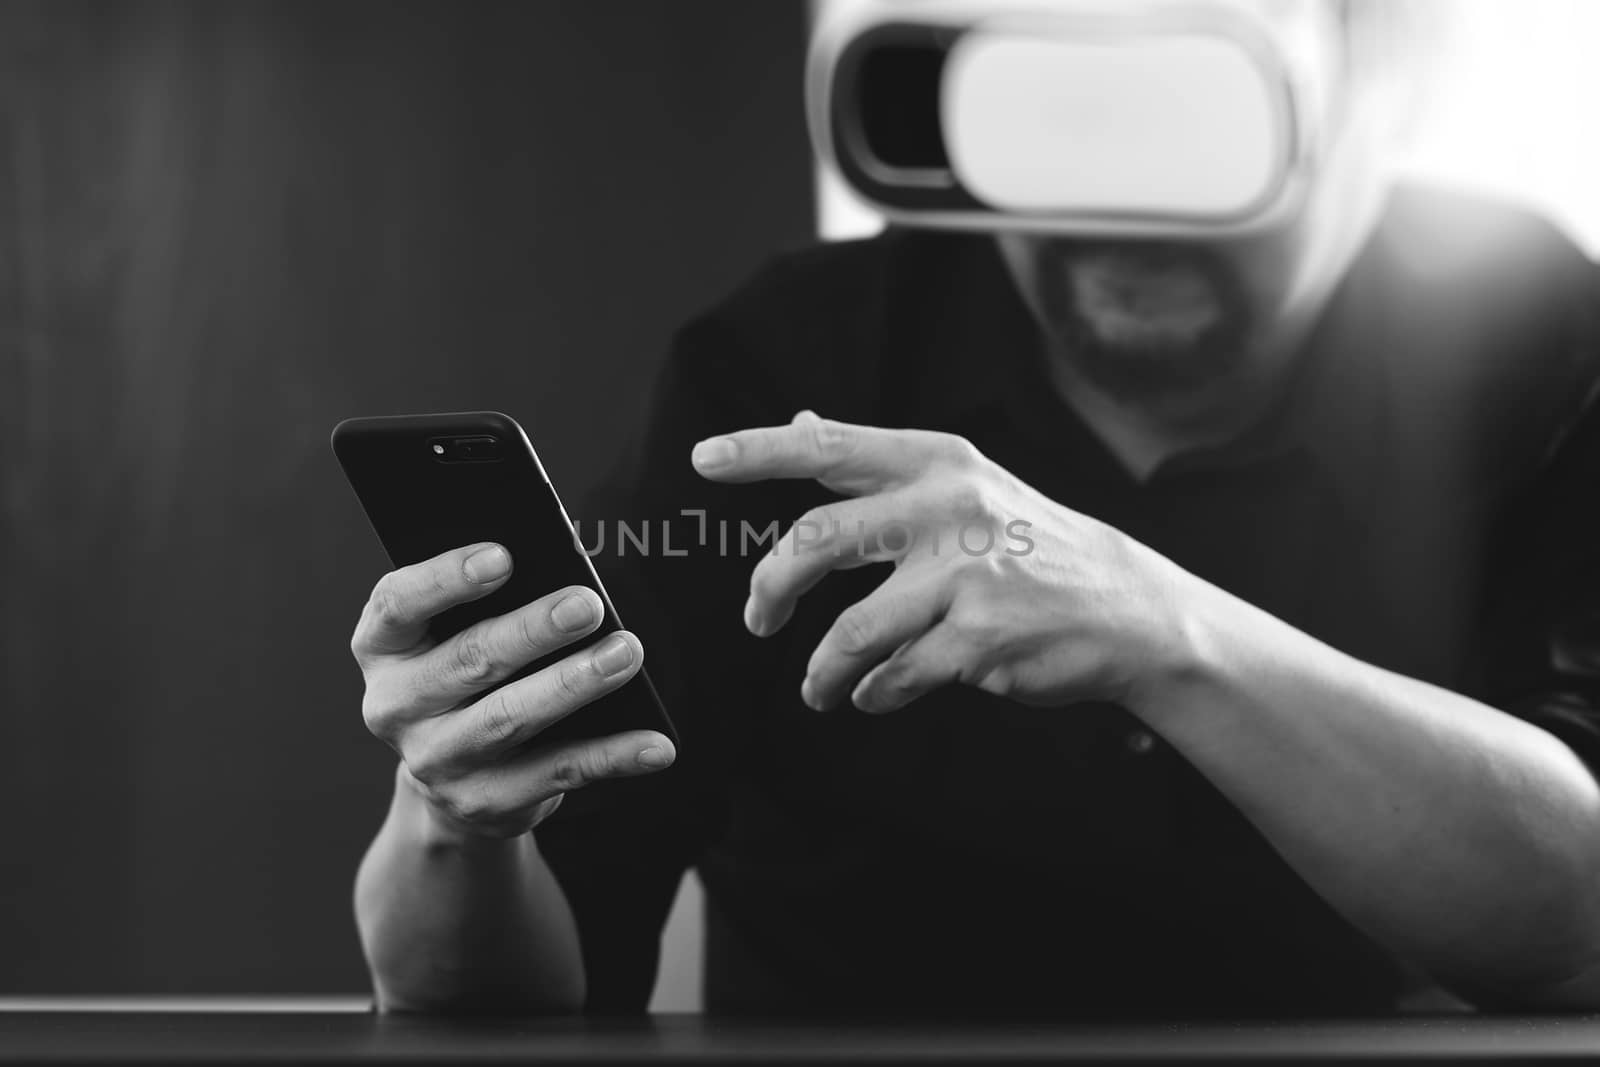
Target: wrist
1196, 621
1221, 654
424, 823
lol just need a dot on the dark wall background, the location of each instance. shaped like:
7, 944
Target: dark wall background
222, 228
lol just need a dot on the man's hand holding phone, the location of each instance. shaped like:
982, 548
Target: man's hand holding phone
474, 756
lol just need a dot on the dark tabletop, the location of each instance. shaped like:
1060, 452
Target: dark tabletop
29, 1034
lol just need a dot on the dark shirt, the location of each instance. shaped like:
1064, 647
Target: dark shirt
1424, 499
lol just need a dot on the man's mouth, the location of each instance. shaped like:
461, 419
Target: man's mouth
1142, 319
1130, 296
1120, 300
1156, 295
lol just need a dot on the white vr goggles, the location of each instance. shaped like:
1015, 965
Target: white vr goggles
1109, 117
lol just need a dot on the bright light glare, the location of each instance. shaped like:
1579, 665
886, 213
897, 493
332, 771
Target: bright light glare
1515, 115
1516, 109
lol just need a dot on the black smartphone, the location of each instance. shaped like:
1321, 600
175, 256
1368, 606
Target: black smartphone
430, 483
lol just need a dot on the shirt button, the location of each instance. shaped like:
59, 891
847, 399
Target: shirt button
1140, 742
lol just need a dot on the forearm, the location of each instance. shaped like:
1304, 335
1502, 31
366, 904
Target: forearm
452, 923
1453, 833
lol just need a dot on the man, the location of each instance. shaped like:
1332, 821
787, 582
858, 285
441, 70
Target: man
1230, 647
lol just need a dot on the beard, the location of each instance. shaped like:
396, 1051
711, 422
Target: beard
1144, 320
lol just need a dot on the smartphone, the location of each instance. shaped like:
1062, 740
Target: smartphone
430, 483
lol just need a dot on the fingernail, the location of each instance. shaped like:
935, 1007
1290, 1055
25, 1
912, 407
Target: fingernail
487, 564
654, 757
753, 620
573, 613
614, 656
808, 693
714, 452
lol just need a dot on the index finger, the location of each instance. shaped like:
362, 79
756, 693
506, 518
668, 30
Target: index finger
843, 456
397, 613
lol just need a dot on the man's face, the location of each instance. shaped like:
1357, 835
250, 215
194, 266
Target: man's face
1146, 319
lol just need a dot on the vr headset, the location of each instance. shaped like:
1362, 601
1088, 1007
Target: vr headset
1107, 117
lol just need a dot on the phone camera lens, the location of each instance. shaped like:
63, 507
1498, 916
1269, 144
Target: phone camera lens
477, 449
481, 448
